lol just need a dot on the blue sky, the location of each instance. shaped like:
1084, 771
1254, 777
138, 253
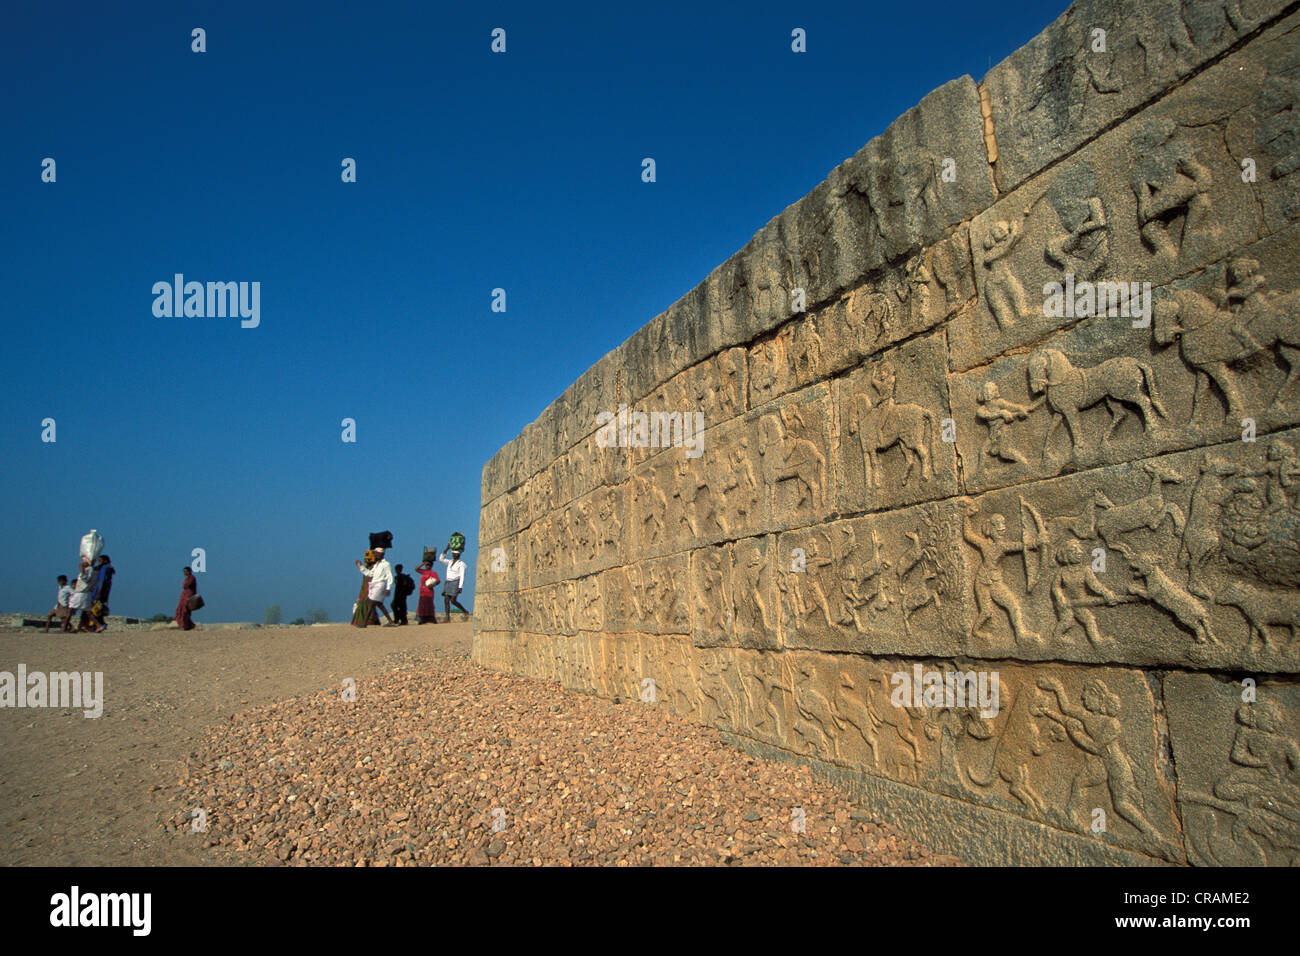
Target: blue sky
474, 171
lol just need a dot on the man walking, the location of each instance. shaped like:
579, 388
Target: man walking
403, 587
455, 583
103, 586
381, 582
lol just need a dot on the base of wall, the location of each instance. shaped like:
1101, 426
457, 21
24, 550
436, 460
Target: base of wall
977, 835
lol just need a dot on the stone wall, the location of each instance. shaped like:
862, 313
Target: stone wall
933, 465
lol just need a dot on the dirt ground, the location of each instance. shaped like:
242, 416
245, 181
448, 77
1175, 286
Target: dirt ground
76, 791
417, 770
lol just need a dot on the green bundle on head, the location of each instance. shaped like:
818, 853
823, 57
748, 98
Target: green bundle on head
457, 542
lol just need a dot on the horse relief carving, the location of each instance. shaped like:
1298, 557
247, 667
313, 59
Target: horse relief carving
1068, 390
1217, 336
880, 425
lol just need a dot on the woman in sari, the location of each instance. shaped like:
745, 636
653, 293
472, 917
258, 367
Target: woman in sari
363, 612
189, 588
426, 611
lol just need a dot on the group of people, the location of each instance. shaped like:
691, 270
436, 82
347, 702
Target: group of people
89, 595
380, 580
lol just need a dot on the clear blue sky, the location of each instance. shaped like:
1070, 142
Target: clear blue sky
474, 171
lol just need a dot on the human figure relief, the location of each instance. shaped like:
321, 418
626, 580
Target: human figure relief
669, 607
712, 599
1281, 473
859, 593
924, 588
589, 606
1230, 326
991, 591
1003, 293
915, 290
1262, 790
717, 691
882, 425
764, 377
610, 532
1201, 532
1075, 590
1084, 247
854, 708
790, 458
767, 684
585, 544
997, 414
808, 352
654, 505
752, 613
740, 478
636, 604
1096, 730
802, 606
1170, 184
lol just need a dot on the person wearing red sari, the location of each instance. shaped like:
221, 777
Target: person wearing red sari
426, 611
189, 588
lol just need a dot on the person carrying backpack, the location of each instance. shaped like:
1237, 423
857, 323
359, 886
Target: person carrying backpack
403, 587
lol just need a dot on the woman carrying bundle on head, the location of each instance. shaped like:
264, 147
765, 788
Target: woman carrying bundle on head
83, 594
426, 611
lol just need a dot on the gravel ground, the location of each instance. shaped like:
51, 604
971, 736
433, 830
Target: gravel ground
439, 761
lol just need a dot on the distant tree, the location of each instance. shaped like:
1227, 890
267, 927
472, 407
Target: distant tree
274, 615
159, 618
318, 615
297, 622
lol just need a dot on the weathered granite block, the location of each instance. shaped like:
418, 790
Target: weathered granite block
668, 663
1154, 562
1237, 750
1104, 392
892, 419
649, 597
1068, 84
886, 583
712, 604
497, 567
899, 303
1036, 753
753, 584
1101, 222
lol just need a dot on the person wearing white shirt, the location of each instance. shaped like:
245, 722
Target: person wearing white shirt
455, 582
83, 594
61, 609
381, 583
